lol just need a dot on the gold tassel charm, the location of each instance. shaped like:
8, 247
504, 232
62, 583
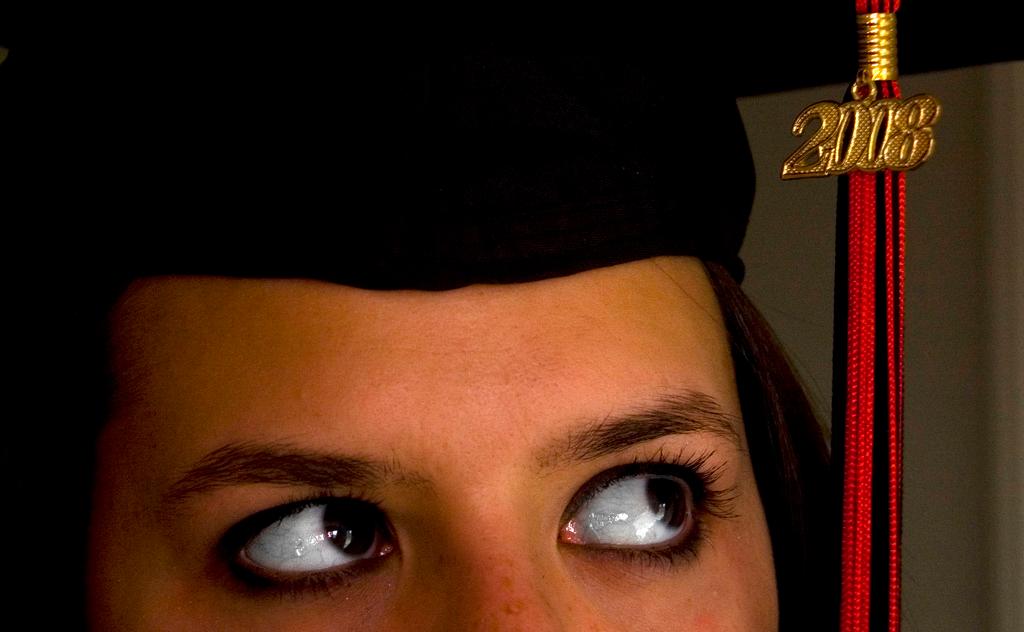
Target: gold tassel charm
867, 133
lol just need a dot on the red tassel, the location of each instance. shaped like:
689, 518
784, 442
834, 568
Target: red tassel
875, 312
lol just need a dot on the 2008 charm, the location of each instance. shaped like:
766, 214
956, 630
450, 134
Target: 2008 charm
865, 134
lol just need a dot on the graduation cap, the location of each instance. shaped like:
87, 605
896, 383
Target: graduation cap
380, 167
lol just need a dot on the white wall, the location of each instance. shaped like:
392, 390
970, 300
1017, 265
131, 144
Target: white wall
963, 542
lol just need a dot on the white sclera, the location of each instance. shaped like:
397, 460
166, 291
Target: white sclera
301, 543
622, 514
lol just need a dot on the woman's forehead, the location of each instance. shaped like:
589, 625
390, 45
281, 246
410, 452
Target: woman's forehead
215, 361
636, 296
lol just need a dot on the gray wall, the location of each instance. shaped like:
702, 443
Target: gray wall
964, 522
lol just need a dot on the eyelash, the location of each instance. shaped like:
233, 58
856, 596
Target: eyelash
695, 470
708, 499
310, 585
717, 502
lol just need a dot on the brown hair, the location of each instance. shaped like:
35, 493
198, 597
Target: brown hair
790, 456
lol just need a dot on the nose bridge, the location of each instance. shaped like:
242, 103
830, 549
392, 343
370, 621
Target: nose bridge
499, 568
496, 587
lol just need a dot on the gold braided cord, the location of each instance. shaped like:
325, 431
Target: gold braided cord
876, 36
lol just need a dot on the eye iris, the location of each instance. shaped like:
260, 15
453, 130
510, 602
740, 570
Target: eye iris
667, 499
352, 531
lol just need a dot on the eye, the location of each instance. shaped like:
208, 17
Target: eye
625, 508
308, 538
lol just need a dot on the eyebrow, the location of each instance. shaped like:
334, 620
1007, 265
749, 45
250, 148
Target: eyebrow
687, 412
283, 464
251, 463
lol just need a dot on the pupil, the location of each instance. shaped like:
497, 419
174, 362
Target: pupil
354, 526
668, 495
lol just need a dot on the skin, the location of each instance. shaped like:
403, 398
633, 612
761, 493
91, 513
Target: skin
469, 396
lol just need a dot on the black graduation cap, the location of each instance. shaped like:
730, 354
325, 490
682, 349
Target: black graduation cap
383, 159
404, 170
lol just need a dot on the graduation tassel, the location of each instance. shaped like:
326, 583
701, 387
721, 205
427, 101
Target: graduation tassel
874, 137
873, 412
